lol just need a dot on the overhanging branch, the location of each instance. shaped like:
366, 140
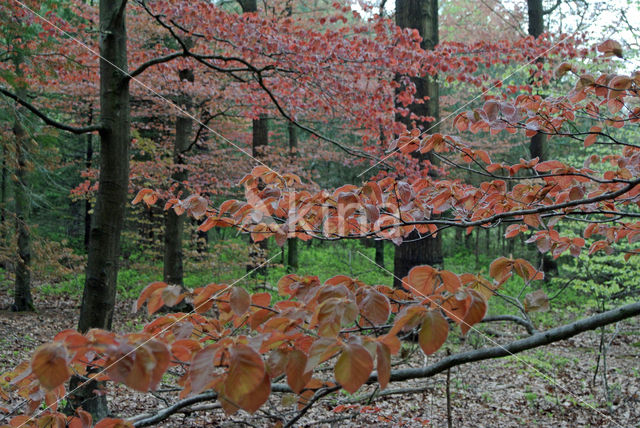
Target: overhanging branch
46, 119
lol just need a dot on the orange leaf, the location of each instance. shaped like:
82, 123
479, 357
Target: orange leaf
353, 367
374, 306
148, 290
421, 280
500, 269
408, 318
433, 333
246, 374
383, 364
457, 306
113, 423
321, 350
476, 311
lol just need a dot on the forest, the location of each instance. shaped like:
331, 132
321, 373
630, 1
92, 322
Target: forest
319, 213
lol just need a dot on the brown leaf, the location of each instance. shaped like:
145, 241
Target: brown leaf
239, 300
49, 365
538, 301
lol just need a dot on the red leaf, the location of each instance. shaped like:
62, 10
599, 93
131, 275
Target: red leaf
297, 378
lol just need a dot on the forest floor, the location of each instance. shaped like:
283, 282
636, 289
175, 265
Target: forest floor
551, 386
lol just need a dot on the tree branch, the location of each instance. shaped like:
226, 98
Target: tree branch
552, 8
46, 119
539, 339
163, 414
523, 322
155, 61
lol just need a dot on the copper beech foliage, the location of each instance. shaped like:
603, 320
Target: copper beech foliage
530, 196
236, 343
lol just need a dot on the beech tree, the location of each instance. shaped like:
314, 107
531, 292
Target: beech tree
234, 345
423, 16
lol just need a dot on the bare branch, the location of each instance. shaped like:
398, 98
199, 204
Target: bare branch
523, 322
46, 119
155, 61
552, 8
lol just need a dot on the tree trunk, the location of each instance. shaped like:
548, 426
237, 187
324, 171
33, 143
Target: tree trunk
423, 16
379, 246
87, 202
22, 300
3, 186
174, 224
292, 243
260, 140
536, 28
536, 17
99, 295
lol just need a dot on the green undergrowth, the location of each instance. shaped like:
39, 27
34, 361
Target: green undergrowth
226, 261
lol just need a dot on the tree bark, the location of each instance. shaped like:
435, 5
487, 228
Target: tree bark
536, 28
3, 186
87, 202
99, 295
260, 140
22, 300
174, 224
292, 243
423, 16
379, 246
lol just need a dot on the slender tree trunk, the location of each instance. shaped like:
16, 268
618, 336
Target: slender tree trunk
87, 202
379, 246
98, 300
536, 28
174, 224
258, 250
99, 297
292, 243
3, 186
423, 16
22, 300
260, 140
22, 287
